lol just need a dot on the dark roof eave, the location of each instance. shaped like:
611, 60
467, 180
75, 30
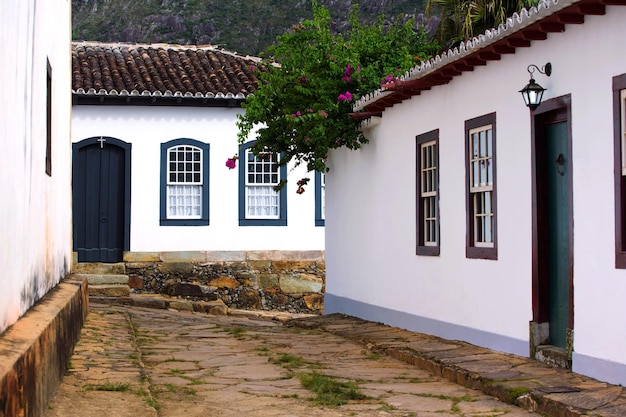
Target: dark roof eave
91, 99
442, 73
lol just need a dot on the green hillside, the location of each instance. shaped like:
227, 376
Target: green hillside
245, 26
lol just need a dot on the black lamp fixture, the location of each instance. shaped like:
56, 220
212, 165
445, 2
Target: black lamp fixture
533, 92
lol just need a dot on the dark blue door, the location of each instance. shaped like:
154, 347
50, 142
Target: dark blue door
101, 197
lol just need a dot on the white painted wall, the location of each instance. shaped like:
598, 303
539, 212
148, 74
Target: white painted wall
35, 209
370, 222
146, 128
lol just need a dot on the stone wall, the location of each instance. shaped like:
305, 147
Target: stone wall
269, 280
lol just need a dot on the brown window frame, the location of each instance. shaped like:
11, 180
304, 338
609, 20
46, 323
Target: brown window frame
421, 247
619, 84
473, 251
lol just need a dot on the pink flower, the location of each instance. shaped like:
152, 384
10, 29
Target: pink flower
298, 113
323, 113
251, 67
347, 96
345, 78
310, 110
293, 115
231, 163
348, 70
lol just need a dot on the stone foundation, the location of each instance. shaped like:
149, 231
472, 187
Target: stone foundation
290, 281
35, 351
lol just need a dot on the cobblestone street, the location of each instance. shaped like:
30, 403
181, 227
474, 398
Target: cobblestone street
146, 362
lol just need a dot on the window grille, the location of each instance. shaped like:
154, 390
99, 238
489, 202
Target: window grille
428, 192
184, 182
262, 175
481, 185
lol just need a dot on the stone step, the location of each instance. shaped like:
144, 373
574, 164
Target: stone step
109, 290
99, 268
104, 279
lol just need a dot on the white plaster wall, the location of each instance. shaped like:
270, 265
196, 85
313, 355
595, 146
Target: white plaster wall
35, 210
371, 197
146, 128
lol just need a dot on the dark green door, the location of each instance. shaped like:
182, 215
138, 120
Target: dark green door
558, 233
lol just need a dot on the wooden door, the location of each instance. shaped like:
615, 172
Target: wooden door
557, 160
553, 223
101, 197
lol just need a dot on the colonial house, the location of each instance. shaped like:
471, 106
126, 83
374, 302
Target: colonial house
41, 313
152, 129
470, 216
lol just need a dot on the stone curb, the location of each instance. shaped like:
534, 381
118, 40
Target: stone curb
215, 308
35, 350
513, 379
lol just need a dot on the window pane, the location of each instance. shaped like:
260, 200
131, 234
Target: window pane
262, 202
475, 173
184, 201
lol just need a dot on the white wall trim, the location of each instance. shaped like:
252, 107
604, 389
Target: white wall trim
337, 304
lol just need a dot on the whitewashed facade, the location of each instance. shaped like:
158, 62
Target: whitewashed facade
35, 211
146, 128
373, 269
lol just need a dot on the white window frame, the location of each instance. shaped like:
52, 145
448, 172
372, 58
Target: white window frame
260, 185
186, 191
481, 179
323, 196
428, 192
623, 128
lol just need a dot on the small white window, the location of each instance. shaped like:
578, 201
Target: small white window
184, 182
427, 194
262, 175
481, 185
428, 191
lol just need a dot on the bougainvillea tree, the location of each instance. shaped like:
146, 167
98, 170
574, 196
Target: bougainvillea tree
311, 79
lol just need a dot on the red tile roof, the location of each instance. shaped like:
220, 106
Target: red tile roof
160, 73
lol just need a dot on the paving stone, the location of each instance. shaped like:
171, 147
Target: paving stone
149, 302
109, 290
181, 305
104, 279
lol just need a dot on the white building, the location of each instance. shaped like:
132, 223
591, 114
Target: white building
139, 109
35, 165
469, 217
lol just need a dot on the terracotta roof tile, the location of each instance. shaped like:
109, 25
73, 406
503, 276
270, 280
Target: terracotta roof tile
117, 69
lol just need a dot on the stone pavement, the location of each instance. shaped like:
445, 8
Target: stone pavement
513, 379
133, 361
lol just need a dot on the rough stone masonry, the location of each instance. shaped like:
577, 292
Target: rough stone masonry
269, 280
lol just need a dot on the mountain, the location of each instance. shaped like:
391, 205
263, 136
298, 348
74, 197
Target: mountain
244, 26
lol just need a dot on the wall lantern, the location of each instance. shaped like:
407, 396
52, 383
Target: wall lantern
533, 92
